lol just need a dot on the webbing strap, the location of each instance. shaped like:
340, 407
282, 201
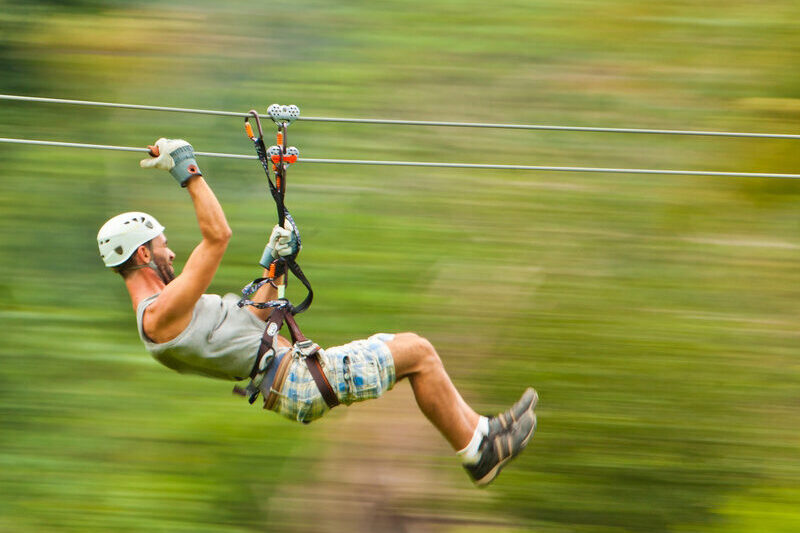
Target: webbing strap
298, 273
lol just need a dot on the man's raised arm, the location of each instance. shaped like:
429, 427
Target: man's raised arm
173, 308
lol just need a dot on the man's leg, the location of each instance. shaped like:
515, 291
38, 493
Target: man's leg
484, 444
437, 397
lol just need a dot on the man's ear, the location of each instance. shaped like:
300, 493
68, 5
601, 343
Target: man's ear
143, 253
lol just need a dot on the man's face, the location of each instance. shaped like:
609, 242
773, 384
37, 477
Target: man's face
163, 257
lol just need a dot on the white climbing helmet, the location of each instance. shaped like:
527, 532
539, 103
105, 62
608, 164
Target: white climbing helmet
122, 235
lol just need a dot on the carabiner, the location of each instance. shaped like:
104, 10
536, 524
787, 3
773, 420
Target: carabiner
249, 129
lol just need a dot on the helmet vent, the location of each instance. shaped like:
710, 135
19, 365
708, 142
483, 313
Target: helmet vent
118, 250
148, 224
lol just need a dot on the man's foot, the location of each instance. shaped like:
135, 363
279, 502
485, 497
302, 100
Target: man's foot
498, 448
503, 421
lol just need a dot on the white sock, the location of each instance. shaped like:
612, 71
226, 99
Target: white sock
470, 454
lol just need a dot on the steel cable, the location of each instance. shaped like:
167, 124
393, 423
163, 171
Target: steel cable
540, 127
429, 164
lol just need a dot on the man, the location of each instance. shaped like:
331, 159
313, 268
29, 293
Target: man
193, 332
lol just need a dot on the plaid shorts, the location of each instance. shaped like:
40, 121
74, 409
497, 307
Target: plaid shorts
357, 371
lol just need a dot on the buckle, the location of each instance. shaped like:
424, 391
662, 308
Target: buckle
306, 348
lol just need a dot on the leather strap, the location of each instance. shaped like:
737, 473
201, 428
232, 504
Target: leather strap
273, 383
328, 394
294, 329
279, 366
314, 366
274, 324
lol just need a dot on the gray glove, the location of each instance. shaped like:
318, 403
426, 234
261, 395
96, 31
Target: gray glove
175, 155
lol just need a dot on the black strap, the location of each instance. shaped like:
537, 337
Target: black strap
298, 272
278, 191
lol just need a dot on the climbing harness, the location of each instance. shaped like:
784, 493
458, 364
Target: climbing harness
270, 369
269, 373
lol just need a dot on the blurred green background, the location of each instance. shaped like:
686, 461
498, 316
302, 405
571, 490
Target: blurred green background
655, 315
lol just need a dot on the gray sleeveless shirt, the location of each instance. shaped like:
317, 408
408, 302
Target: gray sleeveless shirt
221, 341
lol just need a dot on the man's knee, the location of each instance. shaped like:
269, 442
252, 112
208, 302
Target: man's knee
417, 353
416, 343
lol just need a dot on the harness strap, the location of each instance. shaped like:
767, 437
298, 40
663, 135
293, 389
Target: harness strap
268, 374
263, 363
294, 330
274, 323
298, 273
310, 352
275, 378
328, 394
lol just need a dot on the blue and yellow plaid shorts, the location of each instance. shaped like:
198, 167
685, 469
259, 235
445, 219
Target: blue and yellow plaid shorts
357, 371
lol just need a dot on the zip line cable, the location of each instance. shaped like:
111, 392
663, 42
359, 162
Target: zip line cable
109, 147
427, 164
540, 127
415, 123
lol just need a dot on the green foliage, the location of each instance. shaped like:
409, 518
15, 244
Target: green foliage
655, 315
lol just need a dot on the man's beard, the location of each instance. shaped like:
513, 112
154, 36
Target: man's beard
165, 271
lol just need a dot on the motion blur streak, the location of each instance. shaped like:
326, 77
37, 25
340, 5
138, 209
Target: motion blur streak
657, 317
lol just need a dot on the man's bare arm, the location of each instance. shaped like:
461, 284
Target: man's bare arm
173, 308
264, 294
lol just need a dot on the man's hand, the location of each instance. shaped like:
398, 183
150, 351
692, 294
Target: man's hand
175, 155
283, 241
